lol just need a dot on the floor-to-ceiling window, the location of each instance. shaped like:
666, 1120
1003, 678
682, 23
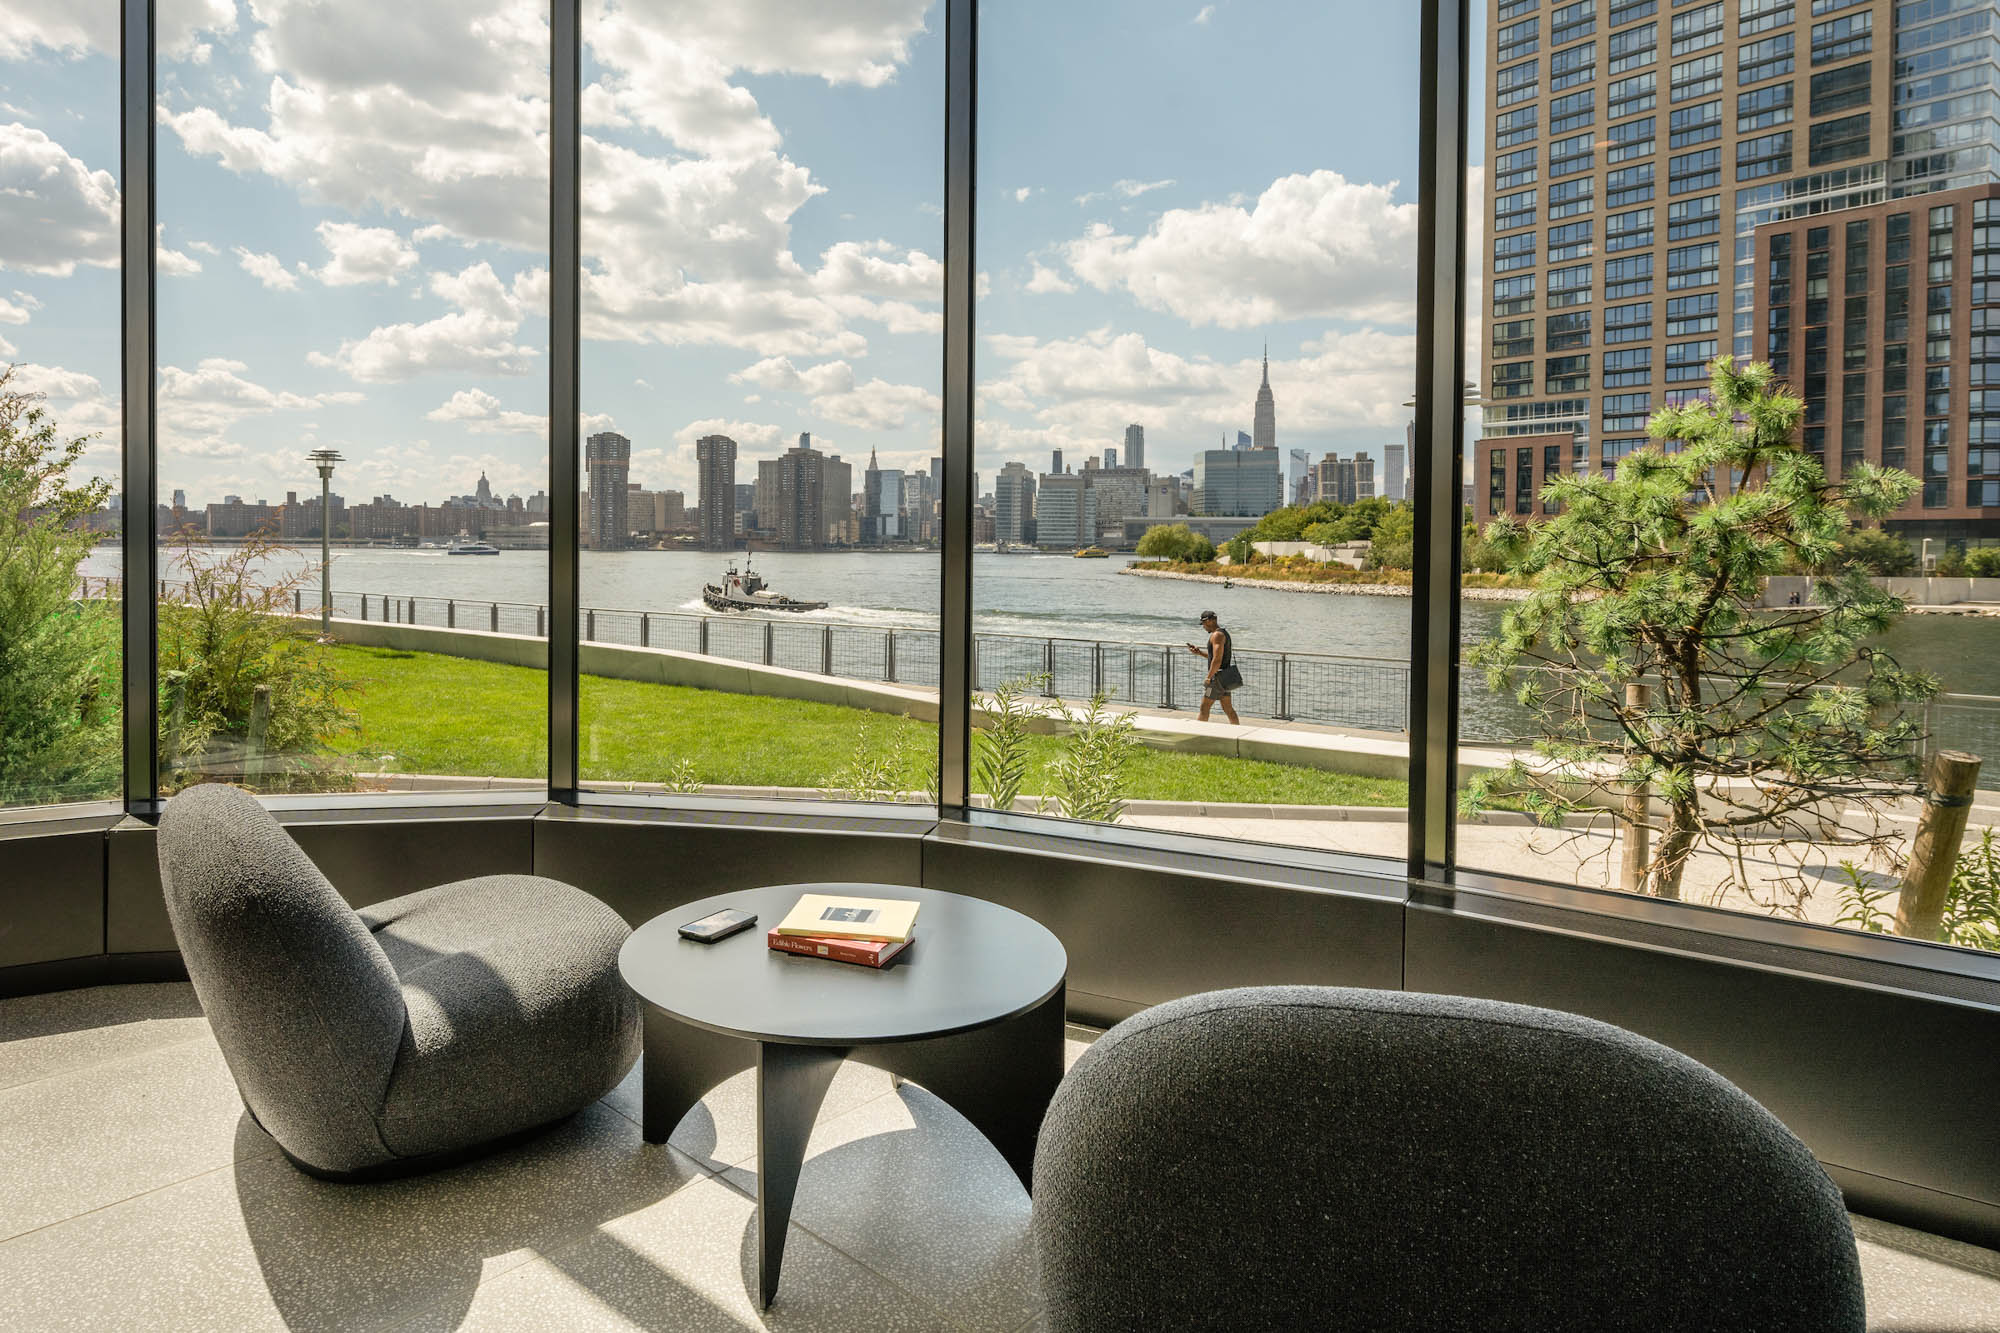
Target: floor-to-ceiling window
1726, 620
759, 448
1195, 358
60, 509
352, 291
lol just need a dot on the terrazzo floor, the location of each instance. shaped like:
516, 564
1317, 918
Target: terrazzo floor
137, 1195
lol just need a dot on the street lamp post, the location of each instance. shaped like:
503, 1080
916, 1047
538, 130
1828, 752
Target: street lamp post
324, 459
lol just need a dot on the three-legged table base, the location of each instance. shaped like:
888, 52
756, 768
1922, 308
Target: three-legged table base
999, 1077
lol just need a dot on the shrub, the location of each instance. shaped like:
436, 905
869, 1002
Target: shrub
58, 691
1874, 551
1983, 562
246, 692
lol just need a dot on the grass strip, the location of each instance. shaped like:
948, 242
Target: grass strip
436, 714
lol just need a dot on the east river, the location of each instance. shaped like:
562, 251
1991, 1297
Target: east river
1038, 595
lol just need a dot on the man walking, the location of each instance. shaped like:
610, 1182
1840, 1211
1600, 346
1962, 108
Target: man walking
1223, 675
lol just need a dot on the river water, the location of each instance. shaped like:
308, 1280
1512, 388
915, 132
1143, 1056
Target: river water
1037, 595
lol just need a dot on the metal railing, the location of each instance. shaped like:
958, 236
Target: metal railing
1370, 694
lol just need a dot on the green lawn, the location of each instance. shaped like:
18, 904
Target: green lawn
439, 714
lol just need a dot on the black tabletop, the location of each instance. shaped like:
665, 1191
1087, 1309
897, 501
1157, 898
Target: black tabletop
972, 963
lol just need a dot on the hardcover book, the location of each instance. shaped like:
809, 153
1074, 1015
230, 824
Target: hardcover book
825, 916
868, 953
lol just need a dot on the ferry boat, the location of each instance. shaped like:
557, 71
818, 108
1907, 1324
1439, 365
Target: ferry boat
1092, 553
464, 544
745, 591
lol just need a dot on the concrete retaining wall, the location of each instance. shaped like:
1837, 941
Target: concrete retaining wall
1778, 590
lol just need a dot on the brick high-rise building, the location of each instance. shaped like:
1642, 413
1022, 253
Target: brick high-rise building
1895, 373
607, 460
1637, 154
715, 466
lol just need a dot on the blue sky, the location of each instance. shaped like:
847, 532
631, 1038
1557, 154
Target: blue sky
353, 209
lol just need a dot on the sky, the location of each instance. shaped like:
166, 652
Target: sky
353, 249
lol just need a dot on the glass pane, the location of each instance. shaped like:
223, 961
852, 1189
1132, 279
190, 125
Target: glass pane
1723, 625
1196, 363
762, 232
60, 509
354, 257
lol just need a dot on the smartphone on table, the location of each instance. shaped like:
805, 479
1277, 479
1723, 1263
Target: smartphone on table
718, 926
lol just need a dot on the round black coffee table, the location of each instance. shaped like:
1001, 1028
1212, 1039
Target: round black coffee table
972, 1011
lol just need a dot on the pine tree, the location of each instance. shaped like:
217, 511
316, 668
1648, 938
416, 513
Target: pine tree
1757, 719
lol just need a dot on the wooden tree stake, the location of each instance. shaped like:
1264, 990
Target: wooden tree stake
1638, 834
1948, 803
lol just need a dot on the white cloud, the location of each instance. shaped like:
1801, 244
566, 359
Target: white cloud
481, 413
18, 310
838, 396
747, 434
267, 269
197, 408
478, 337
1022, 194
437, 113
172, 263
1204, 14
55, 212
363, 255
73, 29
1046, 279
1313, 246
1128, 189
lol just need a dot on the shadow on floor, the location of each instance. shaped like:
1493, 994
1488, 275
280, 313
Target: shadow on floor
337, 1256
57, 1012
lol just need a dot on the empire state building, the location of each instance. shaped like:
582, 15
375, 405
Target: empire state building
1264, 428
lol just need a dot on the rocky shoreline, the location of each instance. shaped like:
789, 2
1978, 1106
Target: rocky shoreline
1338, 589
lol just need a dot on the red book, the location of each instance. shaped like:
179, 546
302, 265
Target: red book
868, 953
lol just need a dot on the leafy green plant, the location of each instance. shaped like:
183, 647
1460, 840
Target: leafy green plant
1861, 903
1972, 901
1000, 759
58, 696
1241, 549
1751, 719
682, 778
870, 771
247, 693
1090, 779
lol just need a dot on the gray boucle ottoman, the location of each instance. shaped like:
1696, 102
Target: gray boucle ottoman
1351, 1160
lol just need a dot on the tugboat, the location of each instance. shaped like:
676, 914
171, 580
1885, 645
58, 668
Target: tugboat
745, 591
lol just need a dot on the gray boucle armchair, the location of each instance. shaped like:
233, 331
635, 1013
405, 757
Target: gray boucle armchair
406, 1036
1344, 1160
